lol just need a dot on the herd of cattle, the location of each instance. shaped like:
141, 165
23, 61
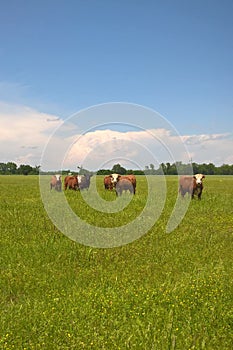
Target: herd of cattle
73, 182
187, 184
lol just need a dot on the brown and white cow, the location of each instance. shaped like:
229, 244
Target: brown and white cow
110, 181
55, 182
192, 185
71, 182
131, 178
124, 184
115, 178
84, 181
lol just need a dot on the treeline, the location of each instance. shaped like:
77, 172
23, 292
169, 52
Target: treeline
118, 169
11, 168
172, 169
179, 167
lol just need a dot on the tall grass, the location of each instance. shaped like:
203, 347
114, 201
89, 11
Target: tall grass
163, 291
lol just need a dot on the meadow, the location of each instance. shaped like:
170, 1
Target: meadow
163, 291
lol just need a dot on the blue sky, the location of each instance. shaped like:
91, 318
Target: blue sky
175, 57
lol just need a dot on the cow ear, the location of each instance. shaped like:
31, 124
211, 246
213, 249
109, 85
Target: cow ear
194, 176
203, 176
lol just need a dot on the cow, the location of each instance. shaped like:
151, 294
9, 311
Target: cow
55, 182
130, 178
71, 182
110, 181
108, 185
192, 185
124, 184
84, 181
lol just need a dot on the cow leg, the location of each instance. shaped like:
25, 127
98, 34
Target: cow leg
182, 192
119, 192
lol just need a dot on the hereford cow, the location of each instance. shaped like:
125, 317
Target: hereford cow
84, 181
124, 184
110, 181
108, 185
55, 182
192, 185
71, 182
130, 178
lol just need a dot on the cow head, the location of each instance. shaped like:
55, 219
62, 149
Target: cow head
115, 178
198, 178
88, 176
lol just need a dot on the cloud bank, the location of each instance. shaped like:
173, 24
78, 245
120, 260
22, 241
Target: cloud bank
25, 133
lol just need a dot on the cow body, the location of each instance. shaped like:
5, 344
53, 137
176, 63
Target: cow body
55, 182
71, 182
192, 185
111, 181
108, 185
84, 181
124, 184
132, 179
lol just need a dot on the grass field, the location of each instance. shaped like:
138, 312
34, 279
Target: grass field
163, 291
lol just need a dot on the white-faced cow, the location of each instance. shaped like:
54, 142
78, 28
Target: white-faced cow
84, 181
114, 179
192, 185
55, 182
110, 181
124, 184
131, 178
71, 182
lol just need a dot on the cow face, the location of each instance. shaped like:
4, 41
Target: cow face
198, 178
115, 178
79, 178
88, 176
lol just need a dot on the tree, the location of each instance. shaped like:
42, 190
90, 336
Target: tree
164, 168
118, 169
37, 169
3, 168
147, 170
168, 166
11, 168
103, 172
25, 169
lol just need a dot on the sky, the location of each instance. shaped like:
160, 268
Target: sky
61, 58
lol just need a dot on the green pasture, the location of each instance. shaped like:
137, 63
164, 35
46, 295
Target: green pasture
162, 291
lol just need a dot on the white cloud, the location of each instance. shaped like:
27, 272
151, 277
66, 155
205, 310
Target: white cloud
210, 148
25, 132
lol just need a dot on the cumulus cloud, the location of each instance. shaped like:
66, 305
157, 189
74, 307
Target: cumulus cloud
210, 148
25, 133
133, 149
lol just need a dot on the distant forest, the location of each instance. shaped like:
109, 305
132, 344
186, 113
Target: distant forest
11, 168
172, 169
